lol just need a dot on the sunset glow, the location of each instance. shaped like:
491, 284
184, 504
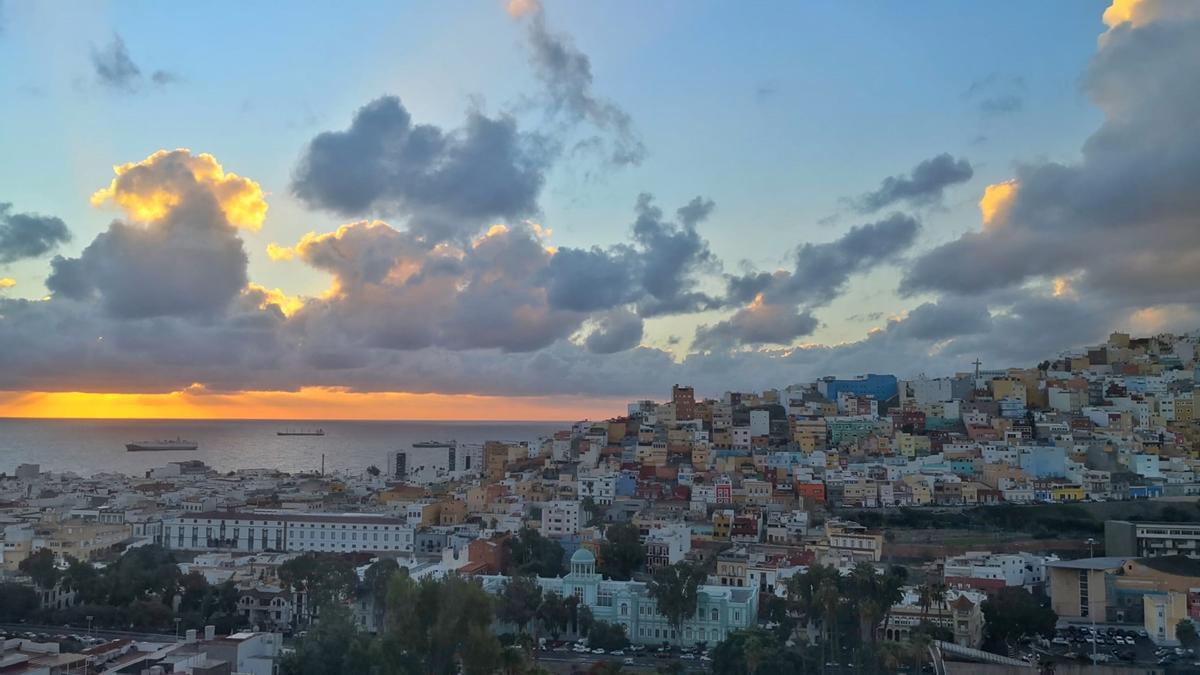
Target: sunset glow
310, 403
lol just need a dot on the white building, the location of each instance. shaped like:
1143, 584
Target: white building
267, 530
560, 518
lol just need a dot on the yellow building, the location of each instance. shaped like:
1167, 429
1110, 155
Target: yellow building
80, 539
722, 521
1068, 493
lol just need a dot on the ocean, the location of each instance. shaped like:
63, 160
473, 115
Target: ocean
88, 447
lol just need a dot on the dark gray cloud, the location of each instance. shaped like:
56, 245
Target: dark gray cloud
944, 319
616, 330
28, 235
116, 70
394, 293
922, 186
756, 325
658, 270
1121, 221
778, 304
448, 183
566, 74
822, 271
186, 260
191, 263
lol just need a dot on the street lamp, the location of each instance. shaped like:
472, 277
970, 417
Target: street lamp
177, 620
89, 620
1091, 542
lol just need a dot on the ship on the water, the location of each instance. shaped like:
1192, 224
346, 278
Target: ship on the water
301, 432
162, 446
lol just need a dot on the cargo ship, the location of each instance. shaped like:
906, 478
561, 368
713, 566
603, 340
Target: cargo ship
301, 432
161, 446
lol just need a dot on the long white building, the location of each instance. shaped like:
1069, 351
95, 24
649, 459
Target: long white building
267, 530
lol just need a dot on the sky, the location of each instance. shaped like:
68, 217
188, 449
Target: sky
508, 209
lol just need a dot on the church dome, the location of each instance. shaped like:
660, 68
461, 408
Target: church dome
583, 557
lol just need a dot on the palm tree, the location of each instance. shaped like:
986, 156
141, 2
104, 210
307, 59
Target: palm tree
925, 598
829, 598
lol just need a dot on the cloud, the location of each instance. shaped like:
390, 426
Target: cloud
390, 291
115, 69
150, 189
566, 76
777, 304
997, 93
944, 319
447, 183
757, 323
182, 257
924, 185
28, 235
7, 282
821, 271
658, 269
1121, 222
615, 331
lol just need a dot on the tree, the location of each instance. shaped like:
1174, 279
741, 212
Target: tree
585, 620
324, 650
554, 614
83, 578
590, 511
1185, 632
17, 602
430, 623
141, 573
873, 594
531, 553
323, 578
1012, 613
375, 586
519, 601
373, 471
748, 652
622, 552
481, 652
607, 636
675, 588
40, 566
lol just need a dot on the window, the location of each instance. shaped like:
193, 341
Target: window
716, 616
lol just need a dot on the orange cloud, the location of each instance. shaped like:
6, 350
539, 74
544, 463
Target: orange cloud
149, 189
996, 202
6, 282
288, 304
311, 403
276, 252
519, 8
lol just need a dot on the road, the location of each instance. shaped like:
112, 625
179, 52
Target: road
19, 628
646, 663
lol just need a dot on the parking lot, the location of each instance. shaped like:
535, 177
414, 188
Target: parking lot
1111, 644
634, 657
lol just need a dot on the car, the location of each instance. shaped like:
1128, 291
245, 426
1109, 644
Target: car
1061, 641
705, 657
628, 661
597, 650
688, 657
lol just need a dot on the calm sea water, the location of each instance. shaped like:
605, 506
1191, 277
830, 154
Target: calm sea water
93, 446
